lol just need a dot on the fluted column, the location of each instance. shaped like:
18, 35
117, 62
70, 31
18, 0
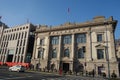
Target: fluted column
73, 42
113, 53
89, 46
59, 52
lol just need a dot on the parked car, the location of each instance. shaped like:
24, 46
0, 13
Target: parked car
18, 68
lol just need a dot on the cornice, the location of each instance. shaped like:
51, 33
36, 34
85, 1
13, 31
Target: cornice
94, 22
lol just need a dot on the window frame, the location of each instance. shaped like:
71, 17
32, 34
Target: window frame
55, 40
81, 38
54, 53
66, 53
99, 37
80, 54
67, 39
100, 55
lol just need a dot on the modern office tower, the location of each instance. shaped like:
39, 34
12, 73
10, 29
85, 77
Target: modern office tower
84, 47
2, 27
17, 44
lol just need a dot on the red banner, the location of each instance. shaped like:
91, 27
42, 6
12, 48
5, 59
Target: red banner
14, 63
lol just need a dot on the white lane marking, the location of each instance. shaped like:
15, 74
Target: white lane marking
15, 78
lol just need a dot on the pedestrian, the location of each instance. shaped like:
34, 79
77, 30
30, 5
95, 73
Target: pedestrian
76, 71
60, 71
93, 72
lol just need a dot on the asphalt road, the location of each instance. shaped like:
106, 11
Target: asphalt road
31, 75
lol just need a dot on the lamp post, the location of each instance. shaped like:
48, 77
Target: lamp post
107, 54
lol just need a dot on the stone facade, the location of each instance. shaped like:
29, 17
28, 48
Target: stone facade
84, 46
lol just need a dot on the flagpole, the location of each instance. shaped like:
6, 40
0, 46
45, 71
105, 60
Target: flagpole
68, 15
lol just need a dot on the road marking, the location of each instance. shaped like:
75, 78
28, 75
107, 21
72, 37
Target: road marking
15, 78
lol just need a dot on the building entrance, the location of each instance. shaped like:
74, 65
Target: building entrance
9, 58
65, 67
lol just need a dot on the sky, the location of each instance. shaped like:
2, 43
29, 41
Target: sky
55, 12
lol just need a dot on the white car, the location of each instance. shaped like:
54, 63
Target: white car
18, 68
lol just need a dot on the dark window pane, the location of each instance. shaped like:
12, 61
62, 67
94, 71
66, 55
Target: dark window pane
54, 53
80, 53
67, 39
55, 40
81, 38
100, 53
66, 53
99, 37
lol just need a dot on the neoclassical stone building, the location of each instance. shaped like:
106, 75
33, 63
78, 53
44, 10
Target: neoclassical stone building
83, 46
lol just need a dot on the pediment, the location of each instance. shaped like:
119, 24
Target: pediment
100, 46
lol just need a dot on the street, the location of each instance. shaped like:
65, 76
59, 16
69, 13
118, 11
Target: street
32, 75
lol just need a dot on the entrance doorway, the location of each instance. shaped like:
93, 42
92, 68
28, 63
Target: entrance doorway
9, 58
65, 67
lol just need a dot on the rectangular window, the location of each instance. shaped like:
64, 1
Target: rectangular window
55, 40
13, 36
24, 43
22, 34
25, 34
19, 35
23, 50
21, 58
21, 43
81, 38
81, 53
42, 42
54, 53
100, 54
39, 54
18, 43
16, 50
16, 36
19, 50
67, 39
99, 37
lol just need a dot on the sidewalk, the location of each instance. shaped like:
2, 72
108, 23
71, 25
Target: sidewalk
74, 75
67, 75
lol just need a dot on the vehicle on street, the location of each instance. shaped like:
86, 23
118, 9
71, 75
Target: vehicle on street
18, 68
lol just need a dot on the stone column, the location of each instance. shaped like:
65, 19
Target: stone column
72, 53
59, 52
89, 46
71, 66
47, 47
33, 60
112, 47
73, 42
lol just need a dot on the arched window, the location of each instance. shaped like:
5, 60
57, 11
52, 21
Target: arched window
54, 53
80, 53
66, 53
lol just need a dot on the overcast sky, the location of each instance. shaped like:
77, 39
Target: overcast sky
55, 12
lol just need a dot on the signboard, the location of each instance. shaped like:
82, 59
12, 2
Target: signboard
11, 51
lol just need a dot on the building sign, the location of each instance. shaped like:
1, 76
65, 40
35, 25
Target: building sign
11, 51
